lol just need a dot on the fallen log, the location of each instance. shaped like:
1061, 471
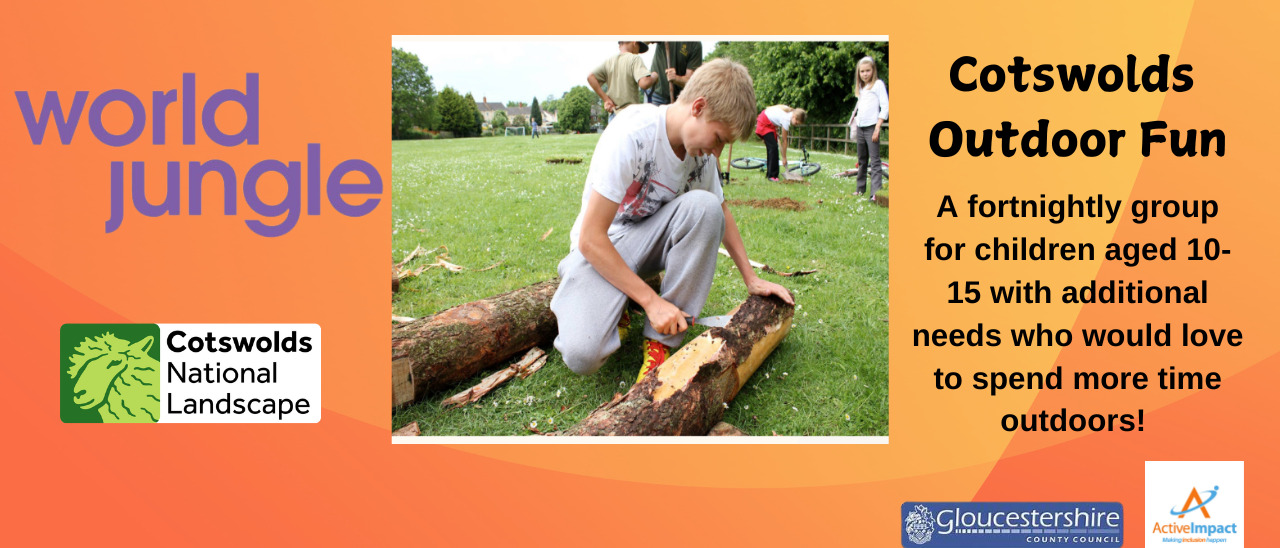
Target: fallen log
688, 394
454, 345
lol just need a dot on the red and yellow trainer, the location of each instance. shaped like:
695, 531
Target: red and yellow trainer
655, 353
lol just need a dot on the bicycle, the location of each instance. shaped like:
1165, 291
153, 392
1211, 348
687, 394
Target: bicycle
801, 167
806, 168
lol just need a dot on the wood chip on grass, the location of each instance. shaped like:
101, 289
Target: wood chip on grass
770, 269
442, 261
410, 429
564, 160
725, 429
532, 361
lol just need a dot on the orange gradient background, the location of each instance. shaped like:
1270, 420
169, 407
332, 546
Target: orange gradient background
323, 74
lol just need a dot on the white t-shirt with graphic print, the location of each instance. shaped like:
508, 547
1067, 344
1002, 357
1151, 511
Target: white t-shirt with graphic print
634, 166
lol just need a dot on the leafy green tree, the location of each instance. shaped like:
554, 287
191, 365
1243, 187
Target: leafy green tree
457, 113
499, 120
817, 76
575, 109
551, 104
535, 112
519, 121
412, 95
742, 52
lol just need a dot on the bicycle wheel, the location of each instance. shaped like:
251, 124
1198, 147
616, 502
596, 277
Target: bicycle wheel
805, 169
747, 163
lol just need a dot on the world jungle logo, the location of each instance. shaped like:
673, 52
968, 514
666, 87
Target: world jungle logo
109, 373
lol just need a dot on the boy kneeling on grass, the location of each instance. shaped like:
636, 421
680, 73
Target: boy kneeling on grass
653, 202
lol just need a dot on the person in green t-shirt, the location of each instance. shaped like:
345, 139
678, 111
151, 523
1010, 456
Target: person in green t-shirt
625, 75
685, 57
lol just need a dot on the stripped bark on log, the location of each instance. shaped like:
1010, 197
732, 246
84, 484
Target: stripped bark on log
687, 394
532, 361
460, 342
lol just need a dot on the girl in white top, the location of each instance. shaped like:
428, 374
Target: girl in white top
867, 118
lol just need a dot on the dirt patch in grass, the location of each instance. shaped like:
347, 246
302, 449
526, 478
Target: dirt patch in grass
773, 203
564, 160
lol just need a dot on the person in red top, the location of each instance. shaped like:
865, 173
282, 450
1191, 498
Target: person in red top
775, 122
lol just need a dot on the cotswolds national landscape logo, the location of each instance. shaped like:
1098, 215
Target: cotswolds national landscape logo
110, 373
189, 373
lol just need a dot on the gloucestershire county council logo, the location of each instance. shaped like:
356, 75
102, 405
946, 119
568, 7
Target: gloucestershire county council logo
110, 373
1012, 524
1201, 505
920, 524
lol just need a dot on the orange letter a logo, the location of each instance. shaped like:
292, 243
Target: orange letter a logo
1195, 496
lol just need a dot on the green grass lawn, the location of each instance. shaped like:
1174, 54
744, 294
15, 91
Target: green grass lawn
492, 199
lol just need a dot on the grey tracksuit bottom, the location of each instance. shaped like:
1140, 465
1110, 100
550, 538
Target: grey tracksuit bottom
868, 161
682, 237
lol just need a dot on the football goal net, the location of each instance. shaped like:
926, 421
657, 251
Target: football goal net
519, 130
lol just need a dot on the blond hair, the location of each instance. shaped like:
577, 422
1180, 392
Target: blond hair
875, 74
729, 94
799, 113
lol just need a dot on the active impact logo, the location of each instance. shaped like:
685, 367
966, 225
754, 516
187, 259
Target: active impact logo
110, 373
1201, 504
1180, 496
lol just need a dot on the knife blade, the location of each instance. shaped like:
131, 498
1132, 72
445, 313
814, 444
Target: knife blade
714, 321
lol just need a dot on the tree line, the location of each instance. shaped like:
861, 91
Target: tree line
416, 106
817, 76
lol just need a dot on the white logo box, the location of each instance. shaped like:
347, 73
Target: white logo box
1168, 487
228, 371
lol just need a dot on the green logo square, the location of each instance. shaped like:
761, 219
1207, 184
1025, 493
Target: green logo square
109, 372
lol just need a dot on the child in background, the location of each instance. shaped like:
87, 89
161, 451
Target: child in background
625, 74
868, 116
774, 124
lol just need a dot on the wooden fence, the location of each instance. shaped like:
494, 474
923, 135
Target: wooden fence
835, 138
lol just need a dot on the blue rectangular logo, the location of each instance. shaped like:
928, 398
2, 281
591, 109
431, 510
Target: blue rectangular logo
1012, 524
